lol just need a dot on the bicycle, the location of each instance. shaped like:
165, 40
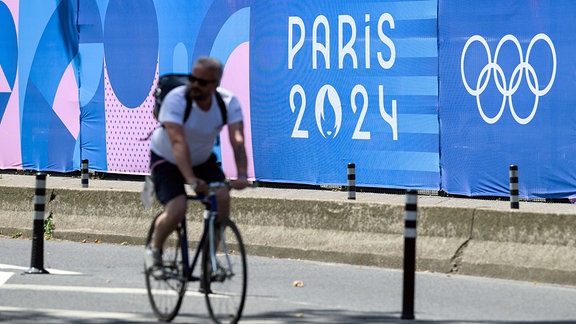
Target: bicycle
223, 278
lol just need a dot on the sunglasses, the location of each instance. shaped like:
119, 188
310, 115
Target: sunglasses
201, 82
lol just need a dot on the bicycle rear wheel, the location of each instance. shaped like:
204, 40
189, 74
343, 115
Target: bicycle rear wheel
226, 283
166, 292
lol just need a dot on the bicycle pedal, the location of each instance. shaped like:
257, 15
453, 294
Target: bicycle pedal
218, 277
158, 274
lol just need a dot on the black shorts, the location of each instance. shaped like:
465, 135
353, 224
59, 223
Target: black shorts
169, 181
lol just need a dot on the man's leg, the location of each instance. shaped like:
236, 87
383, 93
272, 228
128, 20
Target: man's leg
223, 201
174, 212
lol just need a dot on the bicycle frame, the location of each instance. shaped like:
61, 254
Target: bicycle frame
222, 277
210, 212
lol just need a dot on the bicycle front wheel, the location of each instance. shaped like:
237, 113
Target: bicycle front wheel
225, 274
166, 291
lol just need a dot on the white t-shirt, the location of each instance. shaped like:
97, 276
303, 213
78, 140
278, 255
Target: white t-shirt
201, 128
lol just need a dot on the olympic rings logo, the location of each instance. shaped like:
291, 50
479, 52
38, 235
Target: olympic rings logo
508, 89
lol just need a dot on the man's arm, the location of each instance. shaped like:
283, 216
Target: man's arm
236, 132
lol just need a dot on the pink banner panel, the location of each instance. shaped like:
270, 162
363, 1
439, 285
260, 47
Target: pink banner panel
10, 155
237, 79
126, 131
67, 103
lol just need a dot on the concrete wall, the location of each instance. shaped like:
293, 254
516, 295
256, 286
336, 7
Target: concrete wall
503, 243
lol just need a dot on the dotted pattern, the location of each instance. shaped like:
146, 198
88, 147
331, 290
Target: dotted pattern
127, 149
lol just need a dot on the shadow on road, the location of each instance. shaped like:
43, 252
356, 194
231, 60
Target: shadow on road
347, 317
297, 316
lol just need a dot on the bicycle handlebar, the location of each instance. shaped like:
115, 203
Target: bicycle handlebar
212, 187
220, 184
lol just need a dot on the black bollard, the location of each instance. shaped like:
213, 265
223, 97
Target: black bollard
351, 181
37, 260
84, 172
514, 192
410, 220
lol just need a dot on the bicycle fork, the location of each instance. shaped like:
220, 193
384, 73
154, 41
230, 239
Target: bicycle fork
216, 236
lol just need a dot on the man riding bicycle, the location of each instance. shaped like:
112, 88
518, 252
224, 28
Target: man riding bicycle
181, 150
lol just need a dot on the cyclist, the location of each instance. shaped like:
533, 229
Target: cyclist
181, 150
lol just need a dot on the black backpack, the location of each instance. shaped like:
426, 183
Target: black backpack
169, 81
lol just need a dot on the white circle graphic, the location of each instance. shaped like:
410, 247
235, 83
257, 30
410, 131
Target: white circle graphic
508, 87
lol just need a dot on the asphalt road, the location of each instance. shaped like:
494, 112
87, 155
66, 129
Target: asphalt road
104, 283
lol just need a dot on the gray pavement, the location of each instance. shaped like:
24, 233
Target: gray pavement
104, 284
536, 243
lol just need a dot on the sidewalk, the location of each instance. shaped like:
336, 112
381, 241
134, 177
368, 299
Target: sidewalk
457, 235
73, 183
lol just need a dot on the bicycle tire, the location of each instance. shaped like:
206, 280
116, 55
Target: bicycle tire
226, 294
166, 293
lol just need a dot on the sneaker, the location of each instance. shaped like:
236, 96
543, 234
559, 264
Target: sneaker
153, 261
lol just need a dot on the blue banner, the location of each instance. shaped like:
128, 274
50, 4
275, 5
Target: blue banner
507, 75
422, 94
334, 83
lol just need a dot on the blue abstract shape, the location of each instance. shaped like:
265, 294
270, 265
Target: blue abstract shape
179, 23
235, 31
93, 131
91, 52
131, 49
213, 22
91, 69
180, 59
46, 142
47, 145
91, 144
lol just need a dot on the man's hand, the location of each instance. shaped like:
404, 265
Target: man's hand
240, 183
198, 185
